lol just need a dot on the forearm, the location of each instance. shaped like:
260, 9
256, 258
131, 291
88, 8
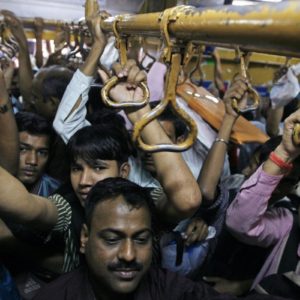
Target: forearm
213, 165
9, 144
21, 206
90, 65
39, 50
25, 76
172, 172
273, 120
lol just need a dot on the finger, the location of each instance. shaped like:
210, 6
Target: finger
118, 70
141, 76
129, 64
190, 228
104, 77
132, 74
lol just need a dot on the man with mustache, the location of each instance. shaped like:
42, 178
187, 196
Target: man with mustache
116, 241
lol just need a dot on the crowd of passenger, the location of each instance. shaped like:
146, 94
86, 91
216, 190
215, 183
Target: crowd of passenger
86, 214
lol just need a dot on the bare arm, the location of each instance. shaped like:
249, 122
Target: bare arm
183, 194
273, 119
39, 24
218, 74
9, 142
22, 207
25, 70
213, 165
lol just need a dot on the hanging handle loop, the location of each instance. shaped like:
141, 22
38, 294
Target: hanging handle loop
252, 93
170, 98
121, 45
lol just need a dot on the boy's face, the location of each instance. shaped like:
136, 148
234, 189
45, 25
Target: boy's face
85, 175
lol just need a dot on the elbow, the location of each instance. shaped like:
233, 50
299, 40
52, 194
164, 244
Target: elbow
191, 204
208, 195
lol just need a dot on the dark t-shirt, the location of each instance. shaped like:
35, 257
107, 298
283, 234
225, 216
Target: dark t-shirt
158, 284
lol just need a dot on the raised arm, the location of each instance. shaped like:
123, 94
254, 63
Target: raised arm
9, 142
71, 112
213, 165
25, 70
183, 194
38, 31
22, 207
248, 216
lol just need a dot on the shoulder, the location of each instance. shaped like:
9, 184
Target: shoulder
163, 284
65, 287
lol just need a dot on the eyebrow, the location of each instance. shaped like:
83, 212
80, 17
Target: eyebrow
31, 146
121, 233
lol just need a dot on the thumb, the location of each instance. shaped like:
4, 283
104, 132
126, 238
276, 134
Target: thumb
103, 75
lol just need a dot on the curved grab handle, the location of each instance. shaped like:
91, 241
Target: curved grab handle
114, 81
141, 124
244, 62
256, 100
296, 134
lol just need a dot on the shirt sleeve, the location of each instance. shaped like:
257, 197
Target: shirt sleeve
249, 218
65, 122
64, 212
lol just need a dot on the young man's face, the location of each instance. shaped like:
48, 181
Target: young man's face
118, 245
34, 154
84, 176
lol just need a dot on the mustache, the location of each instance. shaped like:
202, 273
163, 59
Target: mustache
120, 265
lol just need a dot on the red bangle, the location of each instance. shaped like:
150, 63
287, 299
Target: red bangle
279, 162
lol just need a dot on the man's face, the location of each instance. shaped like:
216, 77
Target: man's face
46, 109
84, 176
118, 245
34, 154
147, 158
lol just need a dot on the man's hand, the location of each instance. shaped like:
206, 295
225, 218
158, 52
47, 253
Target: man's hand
94, 25
287, 149
196, 231
38, 27
7, 68
15, 26
238, 91
129, 77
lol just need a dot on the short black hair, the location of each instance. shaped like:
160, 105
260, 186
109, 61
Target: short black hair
134, 195
168, 114
33, 124
98, 142
55, 81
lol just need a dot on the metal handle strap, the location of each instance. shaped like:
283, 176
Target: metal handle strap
170, 97
252, 93
122, 47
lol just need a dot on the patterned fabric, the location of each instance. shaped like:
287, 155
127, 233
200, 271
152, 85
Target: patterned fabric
63, 228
